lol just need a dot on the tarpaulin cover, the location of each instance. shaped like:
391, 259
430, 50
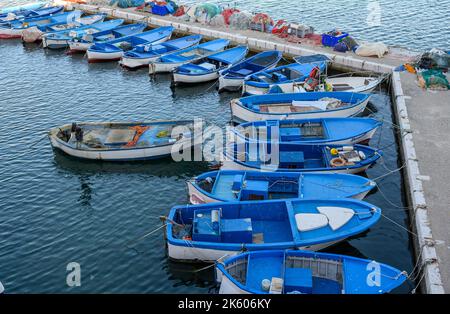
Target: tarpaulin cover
127, 3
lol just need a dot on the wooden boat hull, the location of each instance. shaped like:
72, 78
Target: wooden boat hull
79, 47
198, 196
229, 164
51, 43
192, 253
325, 273
101, 56
114, 155
242, 114
230, 84
136, 63
117, 153
96, 56
10, 33
179, 78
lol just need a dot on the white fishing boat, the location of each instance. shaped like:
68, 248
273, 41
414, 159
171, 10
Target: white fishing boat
298, 106
171, 61
113, 50
122, 141
208, 68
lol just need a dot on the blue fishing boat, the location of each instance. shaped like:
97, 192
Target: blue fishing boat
208, 68
142, 55
314, 131
171, 61
113, 50
232, 79
238, 185
14, 28
282, 78
58, 40
209, 232
81, 43
298, 106
303, 272
22, 7
288, 157
29, 13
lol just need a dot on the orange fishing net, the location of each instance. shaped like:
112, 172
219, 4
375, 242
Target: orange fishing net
139, 131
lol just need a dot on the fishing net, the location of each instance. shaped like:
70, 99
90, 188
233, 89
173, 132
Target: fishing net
127, 3
261, 22
434, 79
227, 13
31, 35
434, 59
206, 11
240, 20
218, 21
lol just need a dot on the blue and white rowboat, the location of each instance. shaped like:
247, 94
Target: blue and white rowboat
113, 50
171, 61
15, 29
292, 157
28, 13
232, 79
82, 43
280, 79
303, 272
209, 232
298, 106
122, 141
208, 68
238, 185
59, 40
22, 7
342, 131
142, 55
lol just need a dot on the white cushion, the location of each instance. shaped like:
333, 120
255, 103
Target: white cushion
208, 66
337, 216
308, 222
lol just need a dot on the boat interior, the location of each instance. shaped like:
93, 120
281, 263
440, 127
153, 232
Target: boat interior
281, 75
252, 186
254, 65
291, 222
285, 132
116, 136
240, 223
279, 272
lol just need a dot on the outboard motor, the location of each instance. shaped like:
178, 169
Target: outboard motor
78, 134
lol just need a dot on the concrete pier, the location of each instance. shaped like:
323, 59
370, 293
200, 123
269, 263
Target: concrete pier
423, 118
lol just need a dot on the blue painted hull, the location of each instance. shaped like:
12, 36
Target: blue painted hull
307, 273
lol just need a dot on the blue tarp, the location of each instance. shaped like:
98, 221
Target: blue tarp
127, 3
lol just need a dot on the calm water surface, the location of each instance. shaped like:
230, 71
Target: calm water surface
55, 209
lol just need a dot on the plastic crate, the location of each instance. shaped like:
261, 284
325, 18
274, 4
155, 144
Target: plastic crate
160, 10
331, 41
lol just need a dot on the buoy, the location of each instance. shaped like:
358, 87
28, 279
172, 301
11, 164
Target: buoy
265, 284
337, 162
334, 151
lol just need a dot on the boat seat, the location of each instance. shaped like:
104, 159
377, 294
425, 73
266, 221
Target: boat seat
320, 104
298, 280
337, 216
309, 222
208, 66
244, 72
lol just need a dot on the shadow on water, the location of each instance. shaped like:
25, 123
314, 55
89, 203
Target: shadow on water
191, 274
160, 167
